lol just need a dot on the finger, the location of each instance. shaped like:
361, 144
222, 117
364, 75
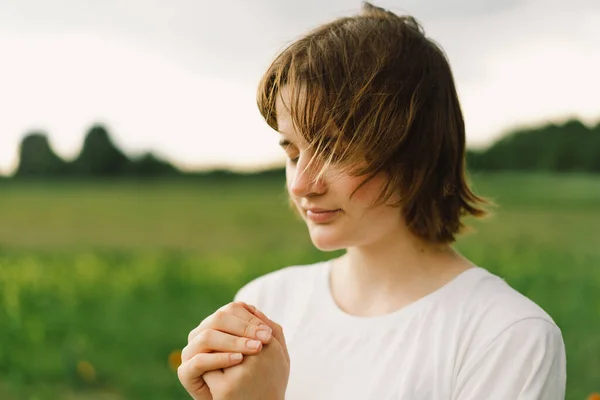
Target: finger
210, 340
243, 310
190, 373
232, 327
223, 320
250, 325
277, 331
247, 306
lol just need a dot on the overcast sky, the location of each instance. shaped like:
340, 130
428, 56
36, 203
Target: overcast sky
178, 77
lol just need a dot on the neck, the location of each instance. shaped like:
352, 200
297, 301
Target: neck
384, 276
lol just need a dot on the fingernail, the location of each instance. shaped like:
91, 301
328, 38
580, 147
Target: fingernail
263, 335
236, 357
253, 344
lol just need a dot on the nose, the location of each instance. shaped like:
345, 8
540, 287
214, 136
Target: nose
304, 180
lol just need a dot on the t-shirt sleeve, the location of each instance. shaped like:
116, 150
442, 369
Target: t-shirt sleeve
526, 361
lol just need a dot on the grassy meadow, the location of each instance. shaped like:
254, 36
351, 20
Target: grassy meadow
100, 283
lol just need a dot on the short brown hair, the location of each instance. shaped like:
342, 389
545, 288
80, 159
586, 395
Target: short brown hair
373, 94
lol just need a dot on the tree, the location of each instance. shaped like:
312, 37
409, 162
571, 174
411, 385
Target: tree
99, 156
37, 159
148, 165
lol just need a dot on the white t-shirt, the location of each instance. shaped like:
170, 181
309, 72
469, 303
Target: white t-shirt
475, 338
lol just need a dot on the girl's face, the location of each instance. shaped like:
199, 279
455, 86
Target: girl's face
335, 221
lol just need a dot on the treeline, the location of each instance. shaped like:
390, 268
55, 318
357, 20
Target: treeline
99, 157
570, 147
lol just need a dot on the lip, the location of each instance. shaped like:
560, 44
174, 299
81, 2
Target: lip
320, 210
321, 215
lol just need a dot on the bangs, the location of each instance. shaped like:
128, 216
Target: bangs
331, 107
320, 104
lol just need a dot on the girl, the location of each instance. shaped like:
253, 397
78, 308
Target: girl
368, 115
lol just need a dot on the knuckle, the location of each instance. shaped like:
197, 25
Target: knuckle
184, 353
192, 334
204, 337
218, 318
181, 374
229, 307
256, 321
249, 330
196, 363
206, 322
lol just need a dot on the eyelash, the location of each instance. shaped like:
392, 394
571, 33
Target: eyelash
294, 160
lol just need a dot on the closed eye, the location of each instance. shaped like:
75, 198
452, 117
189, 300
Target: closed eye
288, 147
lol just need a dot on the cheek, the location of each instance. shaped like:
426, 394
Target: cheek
369, 192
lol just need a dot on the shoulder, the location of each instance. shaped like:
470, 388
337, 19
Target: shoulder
489, 302
527, 359
507, 343
509, 346
492, 314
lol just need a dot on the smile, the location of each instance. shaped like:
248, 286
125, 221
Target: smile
321, 216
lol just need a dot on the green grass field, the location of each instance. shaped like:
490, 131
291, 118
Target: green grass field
99, 283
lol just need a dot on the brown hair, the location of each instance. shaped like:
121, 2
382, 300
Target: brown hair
371, 93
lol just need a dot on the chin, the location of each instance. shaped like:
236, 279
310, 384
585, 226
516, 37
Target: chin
326, 239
